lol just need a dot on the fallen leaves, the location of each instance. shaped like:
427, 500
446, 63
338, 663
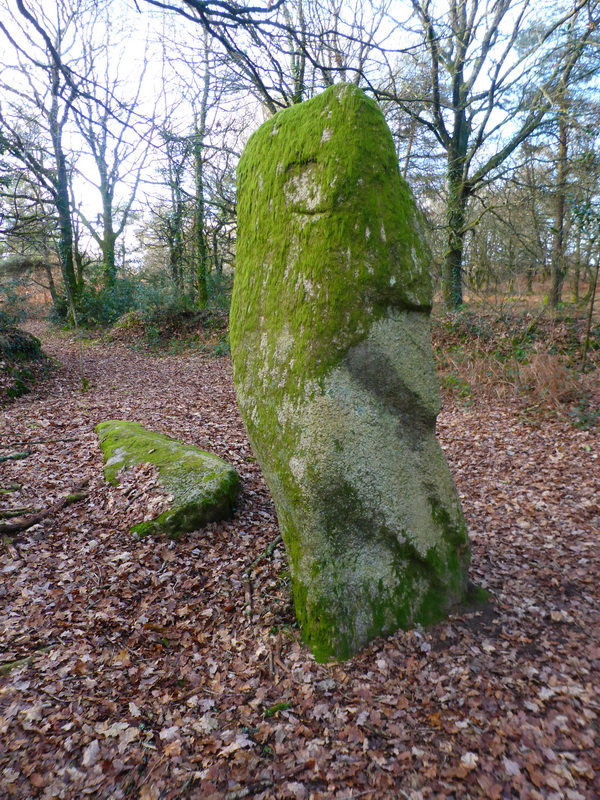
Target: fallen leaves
162, 670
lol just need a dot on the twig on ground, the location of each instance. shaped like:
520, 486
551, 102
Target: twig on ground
15, 456
261, 785
8, 666
10, 487
247, 572
6, 513
32, 519
247, 791
42, 441
265, 554
248, 594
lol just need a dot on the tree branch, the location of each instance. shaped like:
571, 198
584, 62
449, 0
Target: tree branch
23, 523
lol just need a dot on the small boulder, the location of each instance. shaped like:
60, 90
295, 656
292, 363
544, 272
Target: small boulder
204, 487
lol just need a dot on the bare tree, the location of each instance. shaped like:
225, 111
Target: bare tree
495, 70
116, 134
28, 224
286, 51
37, 93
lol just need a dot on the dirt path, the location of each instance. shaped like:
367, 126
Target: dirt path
156, 669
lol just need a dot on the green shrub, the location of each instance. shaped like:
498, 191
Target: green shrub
22, 362
219, 290
100, 307
222, 348
12, 304
158, 302
17, 345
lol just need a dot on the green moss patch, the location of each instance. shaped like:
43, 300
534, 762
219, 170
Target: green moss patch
204, 487
320, 194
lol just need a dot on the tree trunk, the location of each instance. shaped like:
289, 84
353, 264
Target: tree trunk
297, 52
577, 272
453, 259
201, 246
529, 276
218, 261
588, 271
65, 244
588, 327
51, 285
109, 238
176, 242
200, 238
558, 241
109, 262
61, 197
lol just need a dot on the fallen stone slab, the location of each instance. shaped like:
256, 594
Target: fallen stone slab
204, 487
334, 374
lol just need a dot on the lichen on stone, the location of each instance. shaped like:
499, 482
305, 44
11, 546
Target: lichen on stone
333, 368
203, 487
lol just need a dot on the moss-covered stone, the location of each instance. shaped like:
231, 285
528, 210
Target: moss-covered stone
334, 373
204, 487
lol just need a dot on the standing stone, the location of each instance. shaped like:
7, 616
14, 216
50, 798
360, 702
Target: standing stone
334, 374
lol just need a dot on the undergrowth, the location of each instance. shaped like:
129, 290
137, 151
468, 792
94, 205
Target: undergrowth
22, 363
534, 360
179, 331
151, 314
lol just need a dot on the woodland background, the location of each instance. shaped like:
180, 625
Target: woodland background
121, 126
161, 670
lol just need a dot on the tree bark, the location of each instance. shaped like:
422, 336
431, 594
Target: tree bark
176, 239
109, 237
559, 268
455, 217
63, 207
200, 236
62, 199
577, 271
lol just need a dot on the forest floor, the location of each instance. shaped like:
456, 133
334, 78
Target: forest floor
158, 670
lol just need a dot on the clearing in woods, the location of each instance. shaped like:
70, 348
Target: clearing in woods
156, 669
